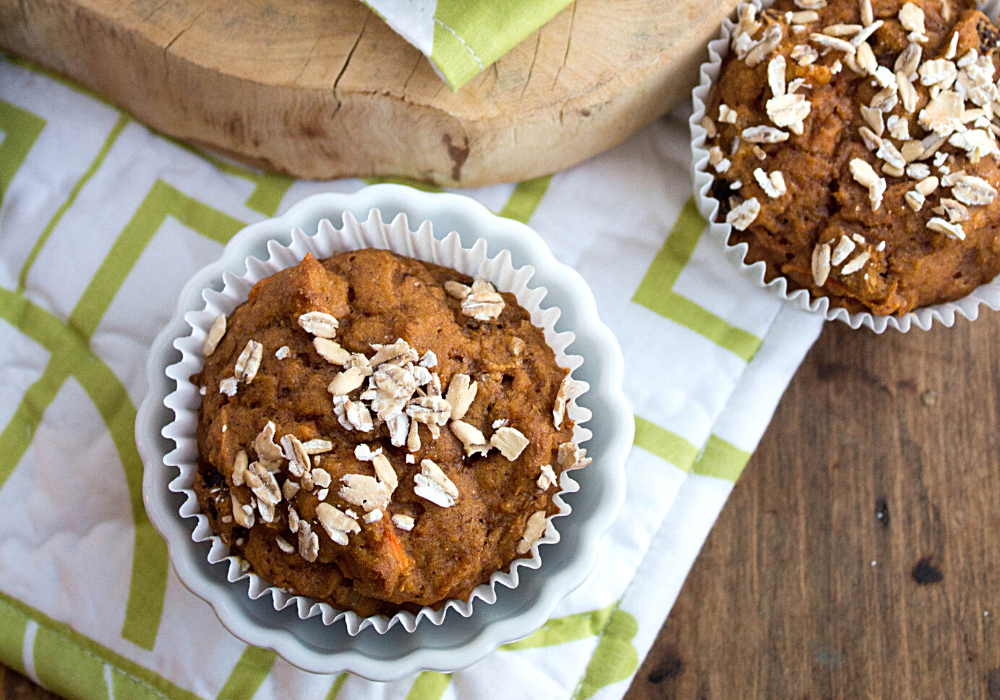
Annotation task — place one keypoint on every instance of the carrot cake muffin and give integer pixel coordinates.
(854, 148)
(380, 433)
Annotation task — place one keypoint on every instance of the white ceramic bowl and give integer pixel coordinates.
(396, 236)
(459, 641)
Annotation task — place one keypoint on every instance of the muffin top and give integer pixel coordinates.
(854, 150)
(380, 433)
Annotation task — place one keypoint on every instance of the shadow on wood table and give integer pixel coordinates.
(858, 555)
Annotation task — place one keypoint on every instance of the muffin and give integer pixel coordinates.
(853, 148)
(380, 433)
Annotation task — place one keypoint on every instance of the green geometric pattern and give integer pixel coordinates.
(525, 198)
(249, 672)
(162, 201)
(721, 460)
(615, 658)
(656, 292)
(127, 687)
(116, 130)
(71, 355)
(270, 187)
(66, 669)
(665, 444)
(718, 458)
(338, 683)
(560, 630)
(79, 647)
(21, 129)
(62, 653)
(469, 35)
(520, 205)
(14, 626)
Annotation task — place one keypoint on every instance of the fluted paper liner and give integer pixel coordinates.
(708, 206)
(327, 241)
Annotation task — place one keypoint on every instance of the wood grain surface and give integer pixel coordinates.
(858, 554)
(325, 89)
(14, 686)
(885, 450)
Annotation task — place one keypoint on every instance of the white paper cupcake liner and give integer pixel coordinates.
(987, 294)
(373, 233)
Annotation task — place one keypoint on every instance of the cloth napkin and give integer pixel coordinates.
(102, 221)
(462, 38)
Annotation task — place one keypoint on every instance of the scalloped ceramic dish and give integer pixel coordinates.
(185, 401)
(458, 641)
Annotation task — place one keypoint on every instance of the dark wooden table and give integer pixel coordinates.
(858, 555)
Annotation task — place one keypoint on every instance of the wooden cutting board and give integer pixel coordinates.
(324, 89)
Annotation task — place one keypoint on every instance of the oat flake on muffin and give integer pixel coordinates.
(854, 148)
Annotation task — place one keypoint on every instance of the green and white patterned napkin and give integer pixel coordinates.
(462, 38)
(101, 223)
